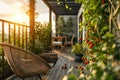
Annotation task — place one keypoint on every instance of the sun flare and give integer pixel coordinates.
(21, 18)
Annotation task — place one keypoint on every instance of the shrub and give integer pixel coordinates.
(77, 48)
(42, 38)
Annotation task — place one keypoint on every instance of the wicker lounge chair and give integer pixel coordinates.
(24, 63)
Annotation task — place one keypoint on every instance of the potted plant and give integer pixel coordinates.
(77, 49)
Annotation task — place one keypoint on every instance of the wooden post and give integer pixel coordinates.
(56, 20)
(50, 23)
(32, 21)
(50, 16)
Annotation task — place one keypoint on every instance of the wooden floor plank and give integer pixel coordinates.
(57, 73)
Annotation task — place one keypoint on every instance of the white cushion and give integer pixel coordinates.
(57, 43)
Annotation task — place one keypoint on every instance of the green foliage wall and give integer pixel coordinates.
(101, 62)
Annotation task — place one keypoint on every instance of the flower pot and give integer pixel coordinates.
(78, 57)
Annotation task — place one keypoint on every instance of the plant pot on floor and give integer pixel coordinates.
(78, 57)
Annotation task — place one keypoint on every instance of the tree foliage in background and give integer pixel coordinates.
(42, 38)
(65, 27)
(60, 25)
(69, 26)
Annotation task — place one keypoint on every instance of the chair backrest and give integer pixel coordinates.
(24, 63)
(71, 39)
(73, 36)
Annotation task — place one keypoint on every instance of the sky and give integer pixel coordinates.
(15, 10)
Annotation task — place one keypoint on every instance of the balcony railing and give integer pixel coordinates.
(13, 33)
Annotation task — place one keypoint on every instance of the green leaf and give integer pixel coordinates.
(107, 35)
(58, 3)
(109, 77)
(70, 9)
(104, 28)
(72, 77)
(66, 6)
(99, 73)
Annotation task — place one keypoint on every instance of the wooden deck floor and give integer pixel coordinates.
(57, 72)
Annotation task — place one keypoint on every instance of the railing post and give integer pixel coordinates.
(26, 37)
(9, 40)
(14, 34)
(22, 36)
(18, 35)
(2, 50)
